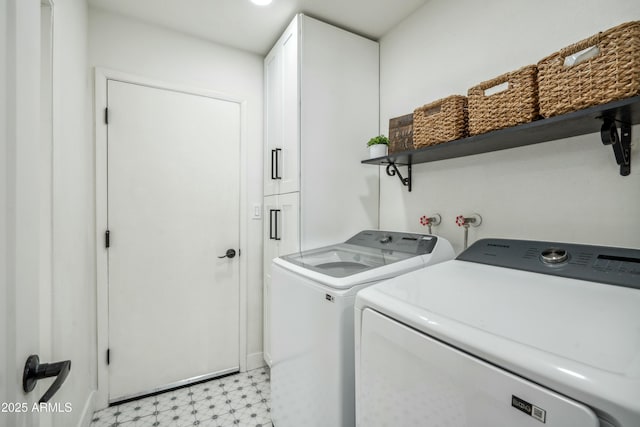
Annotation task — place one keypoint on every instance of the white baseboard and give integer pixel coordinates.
(88, 410)
(255, 361)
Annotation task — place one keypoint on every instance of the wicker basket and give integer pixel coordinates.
(515, 105)
(612, 74)
(440, 121)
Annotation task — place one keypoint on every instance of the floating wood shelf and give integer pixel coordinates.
(604, 119)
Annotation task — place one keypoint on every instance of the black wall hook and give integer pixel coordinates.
(34, 371)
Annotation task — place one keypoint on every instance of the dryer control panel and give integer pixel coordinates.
(418, 244)
(603, 264)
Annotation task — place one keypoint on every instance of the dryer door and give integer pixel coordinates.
(409, 379)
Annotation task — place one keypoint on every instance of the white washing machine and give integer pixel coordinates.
(312, 297)
(510, 334)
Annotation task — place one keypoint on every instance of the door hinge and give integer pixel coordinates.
(107, 239)
(108, 356)
(106, 116)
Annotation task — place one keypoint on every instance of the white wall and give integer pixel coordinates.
(151, 52)
(567, 190)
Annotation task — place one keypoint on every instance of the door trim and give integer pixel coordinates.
(102, 75)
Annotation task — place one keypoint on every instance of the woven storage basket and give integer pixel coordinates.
(513, 106)
(440, 121)
(614, 73)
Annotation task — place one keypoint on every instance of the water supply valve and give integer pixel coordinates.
(428, 221)
(473, 220)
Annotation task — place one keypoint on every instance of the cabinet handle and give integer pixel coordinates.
(273, 224)
(275, 169)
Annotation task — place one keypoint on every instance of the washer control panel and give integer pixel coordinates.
(604, 264)
(418, 244)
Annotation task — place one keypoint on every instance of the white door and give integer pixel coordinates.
(173, 210)
(282, 117)
(290, 155)
(281, 237)
(273, 121)
(25, 204)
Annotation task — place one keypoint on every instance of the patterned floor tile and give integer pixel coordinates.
(225, 420)
(237, 400)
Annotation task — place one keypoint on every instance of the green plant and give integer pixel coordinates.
(380, 139)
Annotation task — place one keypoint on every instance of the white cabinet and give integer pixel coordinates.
(282, 142)
(281, 237)
(321, 107)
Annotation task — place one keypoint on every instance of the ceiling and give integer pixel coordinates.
(242, 25)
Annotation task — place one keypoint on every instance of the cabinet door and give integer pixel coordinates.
(288, 223)
(266, 319)
(281, 237)
(270, 249)
(282, 121)
(290, 173)
(272, 120)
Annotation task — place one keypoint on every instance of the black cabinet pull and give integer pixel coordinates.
(273, 224)
(34, 371)
(275, 168)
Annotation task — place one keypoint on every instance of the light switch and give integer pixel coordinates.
(257, 211)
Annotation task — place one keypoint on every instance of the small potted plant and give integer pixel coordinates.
(378, 146)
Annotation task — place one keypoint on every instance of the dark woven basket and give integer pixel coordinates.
(440, 121)
(515, 105)
(401, 134)
(613, 74)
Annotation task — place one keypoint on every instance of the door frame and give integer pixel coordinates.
(102, 75)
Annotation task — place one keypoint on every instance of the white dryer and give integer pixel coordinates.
(312, 297)
(510, 334)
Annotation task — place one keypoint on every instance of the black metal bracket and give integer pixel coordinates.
(621, 143)
(392, 170)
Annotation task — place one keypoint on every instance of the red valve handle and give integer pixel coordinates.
(460, 220)
(424, 220)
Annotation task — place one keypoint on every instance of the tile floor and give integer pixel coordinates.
(237, 400)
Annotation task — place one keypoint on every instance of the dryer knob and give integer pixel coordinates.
(554, 256)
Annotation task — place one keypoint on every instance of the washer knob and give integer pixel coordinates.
(554, 256)
(386, 239)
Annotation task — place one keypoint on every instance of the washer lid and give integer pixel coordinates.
(577, 337)
(345, 260)
(369, 256)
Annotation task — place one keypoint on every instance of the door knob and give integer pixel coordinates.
(230, 254)
(34, 371)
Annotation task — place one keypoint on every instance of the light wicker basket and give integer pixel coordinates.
(440, 121)
(517, 104)
(612, 74)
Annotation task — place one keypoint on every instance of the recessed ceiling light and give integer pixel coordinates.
(261, 2)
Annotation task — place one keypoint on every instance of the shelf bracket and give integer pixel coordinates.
(392, 170)
(621, 143)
